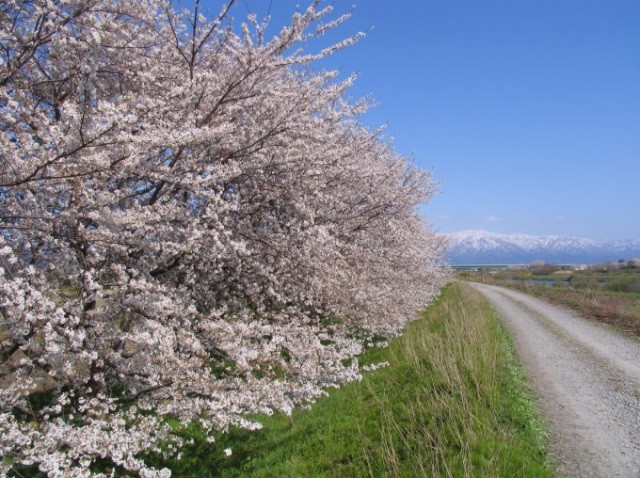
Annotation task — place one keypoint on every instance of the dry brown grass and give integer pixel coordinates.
(621, 311)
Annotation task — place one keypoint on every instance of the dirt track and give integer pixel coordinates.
(588, 380)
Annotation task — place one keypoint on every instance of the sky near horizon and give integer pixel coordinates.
(527, 113)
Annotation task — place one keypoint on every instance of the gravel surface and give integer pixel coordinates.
(588, 380)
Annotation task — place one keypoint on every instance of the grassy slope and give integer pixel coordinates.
(453, 402)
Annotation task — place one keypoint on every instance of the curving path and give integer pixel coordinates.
(588, 380)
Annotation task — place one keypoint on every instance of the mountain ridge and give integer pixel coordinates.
(483, 247)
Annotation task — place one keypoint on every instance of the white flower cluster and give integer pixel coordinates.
(374, 366)
(192, 224)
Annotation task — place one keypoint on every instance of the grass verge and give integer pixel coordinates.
(619, 309)
(605, 292)
(452, 402)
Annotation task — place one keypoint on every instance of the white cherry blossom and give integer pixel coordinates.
(193, 224)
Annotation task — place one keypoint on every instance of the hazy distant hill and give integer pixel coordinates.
(482, 247)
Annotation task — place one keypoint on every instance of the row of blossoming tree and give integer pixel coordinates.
(193, 224)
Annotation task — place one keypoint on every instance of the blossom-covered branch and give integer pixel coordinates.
(192, 222)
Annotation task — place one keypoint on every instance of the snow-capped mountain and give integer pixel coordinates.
(482, 247)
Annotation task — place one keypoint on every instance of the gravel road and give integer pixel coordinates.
(588, 380)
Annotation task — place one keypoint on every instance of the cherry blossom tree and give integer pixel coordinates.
(193, 224)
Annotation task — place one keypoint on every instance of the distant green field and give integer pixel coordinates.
(452, 402)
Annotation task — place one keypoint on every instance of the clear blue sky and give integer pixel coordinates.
(528, 113)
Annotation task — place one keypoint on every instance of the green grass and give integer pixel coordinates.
(453, 402)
